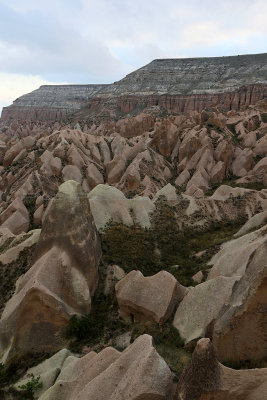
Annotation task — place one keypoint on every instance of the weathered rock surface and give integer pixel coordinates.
(15, 217)
(19, 244)
(109, 204)
(204, 378)
(177, 85)
(48, 371)
(178, 149)
(240, 332)
(254, 222)
(234, 256)
(60, 283)
(201, 306)
(16, 252)
(137, 373)
(50, 102)
(148, 298)
(113, 275)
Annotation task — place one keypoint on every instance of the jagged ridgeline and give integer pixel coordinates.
(133, 236)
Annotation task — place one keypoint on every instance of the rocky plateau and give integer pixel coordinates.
(174, 85)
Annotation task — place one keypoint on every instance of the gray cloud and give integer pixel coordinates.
(100, 41)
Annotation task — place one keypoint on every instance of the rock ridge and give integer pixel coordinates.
(176, 85)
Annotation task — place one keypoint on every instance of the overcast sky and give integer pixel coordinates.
(100, 41)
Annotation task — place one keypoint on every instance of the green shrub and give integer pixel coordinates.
(168, 343)
(166, 334)
(31, 386)
(81, 327)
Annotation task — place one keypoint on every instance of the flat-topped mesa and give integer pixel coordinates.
(187, 76)
(189, 84)
(176, 85)
(50, 102)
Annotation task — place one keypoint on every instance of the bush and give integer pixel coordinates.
(81, 327)
(31, 386)
(166, 334)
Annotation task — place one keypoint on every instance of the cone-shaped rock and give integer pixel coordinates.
(204, 378)
(138, 373)
(60, 282)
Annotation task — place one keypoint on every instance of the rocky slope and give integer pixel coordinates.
(175, 85)
(50, 102)
(152, 226)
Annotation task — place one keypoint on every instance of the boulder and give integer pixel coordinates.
(204, 378)
(240, 332)
(199, 308)
(48, 371)
(148, 298)
(136, 373)
(233, 257)
(108, 204)
(60, 283)
(254, 222)
(6, 236)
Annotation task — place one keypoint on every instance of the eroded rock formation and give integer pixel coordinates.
(205, 378)
(60, 283)
(148, 298)
(111, 375)
(175, 85)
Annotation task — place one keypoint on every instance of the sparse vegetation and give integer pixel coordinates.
(31, 386)
(164, 246)
(168, 343)
(264, 117)
(97, 328)
(2, 375)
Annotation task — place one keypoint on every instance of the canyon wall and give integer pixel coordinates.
(50, 102)
(177, 85)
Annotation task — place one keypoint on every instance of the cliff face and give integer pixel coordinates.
(50, 102)
(176, 103)
(177, 85)
(189, 76)
(192, 84)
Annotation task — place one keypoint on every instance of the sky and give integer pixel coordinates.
(100, 41)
